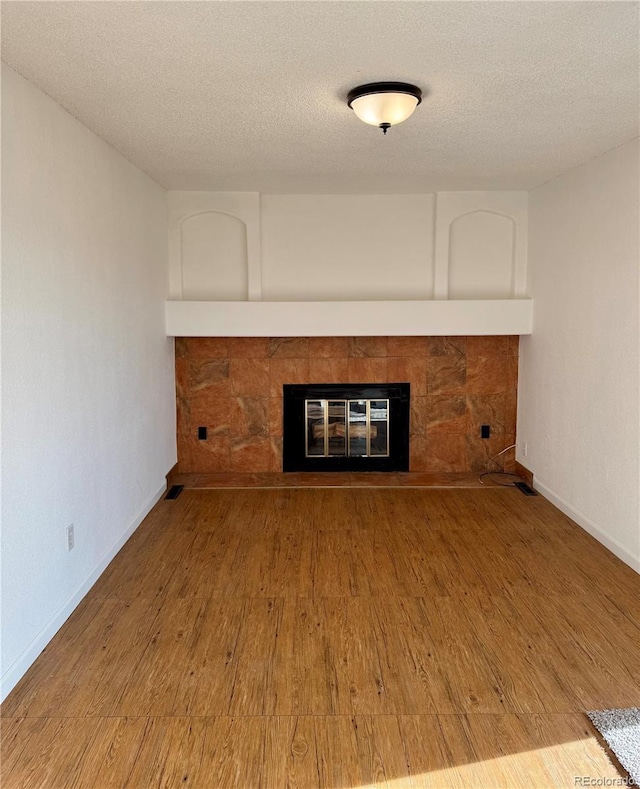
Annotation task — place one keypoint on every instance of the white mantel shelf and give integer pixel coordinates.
(348, 318)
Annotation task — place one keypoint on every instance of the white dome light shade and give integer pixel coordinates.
(391, 108)
(384, 104)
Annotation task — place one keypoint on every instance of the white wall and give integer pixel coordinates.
(347, 247)
(579, 394)
(87, 391)
(302, 248)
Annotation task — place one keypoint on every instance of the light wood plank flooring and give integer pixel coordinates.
(335, 638)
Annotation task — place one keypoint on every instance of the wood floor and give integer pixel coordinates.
(338, 638)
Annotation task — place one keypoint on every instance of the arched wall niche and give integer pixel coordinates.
(481, 255)
(213, 256)
(214, 246)
(481, 245)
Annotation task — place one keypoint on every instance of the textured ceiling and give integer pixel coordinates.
(250, 95)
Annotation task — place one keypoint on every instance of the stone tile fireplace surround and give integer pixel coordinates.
(233, 387)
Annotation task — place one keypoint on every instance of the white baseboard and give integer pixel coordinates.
(588, 525)
(19, 668)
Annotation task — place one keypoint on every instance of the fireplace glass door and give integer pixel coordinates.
(347, 428)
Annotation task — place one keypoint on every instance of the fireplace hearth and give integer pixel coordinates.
(346, 427)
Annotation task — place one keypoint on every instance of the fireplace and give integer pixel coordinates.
(346, 427)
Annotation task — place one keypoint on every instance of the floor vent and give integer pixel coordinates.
(174, 491)
(526, 489)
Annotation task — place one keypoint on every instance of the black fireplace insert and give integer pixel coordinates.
(346, 427)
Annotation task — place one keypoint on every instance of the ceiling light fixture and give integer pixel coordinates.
(384, 104)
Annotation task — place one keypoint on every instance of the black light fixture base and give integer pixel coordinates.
(385, 127)
(384, 87)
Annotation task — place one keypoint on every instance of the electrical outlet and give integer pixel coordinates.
(525, 449)
(71, 538)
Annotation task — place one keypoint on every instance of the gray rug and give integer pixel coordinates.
(621, 730)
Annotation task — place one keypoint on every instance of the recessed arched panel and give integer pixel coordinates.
(214, 257)
(481, 256)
